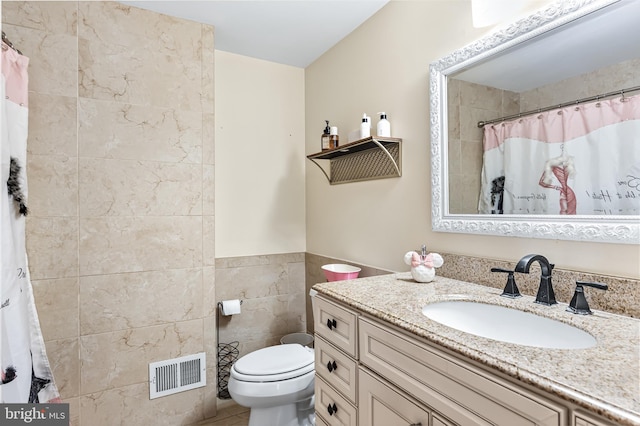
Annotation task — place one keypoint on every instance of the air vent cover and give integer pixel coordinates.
(177, 375)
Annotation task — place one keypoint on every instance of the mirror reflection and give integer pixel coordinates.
(550, 126)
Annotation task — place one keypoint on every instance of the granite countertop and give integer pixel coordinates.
(604, 379)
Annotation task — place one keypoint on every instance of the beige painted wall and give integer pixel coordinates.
(259, 157)
(383, 65)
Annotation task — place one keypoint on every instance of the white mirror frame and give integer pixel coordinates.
(609, 229)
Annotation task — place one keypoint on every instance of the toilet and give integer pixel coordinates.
(277, 384)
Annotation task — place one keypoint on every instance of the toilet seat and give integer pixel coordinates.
(274, 363)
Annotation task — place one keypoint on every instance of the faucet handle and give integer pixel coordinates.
(511, 289)
(578, 304)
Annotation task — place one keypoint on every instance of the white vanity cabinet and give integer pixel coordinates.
(372, 373)
(336, 363)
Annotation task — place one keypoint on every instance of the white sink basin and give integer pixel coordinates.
(508, 325)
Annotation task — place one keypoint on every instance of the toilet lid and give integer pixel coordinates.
(275, 360)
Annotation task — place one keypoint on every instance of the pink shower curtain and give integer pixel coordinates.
(25, 372)
(583, 159)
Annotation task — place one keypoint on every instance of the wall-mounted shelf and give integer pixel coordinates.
(365, 159)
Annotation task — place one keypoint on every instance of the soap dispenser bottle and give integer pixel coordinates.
(384, 127)
(326, 137)
(365, 127)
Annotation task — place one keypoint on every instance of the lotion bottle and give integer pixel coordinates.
(333, 137)
(325, 138)
(384, 127)
(365, 127)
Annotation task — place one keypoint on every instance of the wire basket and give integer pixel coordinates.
(227, 355)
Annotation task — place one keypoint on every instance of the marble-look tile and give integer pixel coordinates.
(130, 405)
(55, 17)
(251, 282)
(296, 276)
(265, 317)
(122, 301)
(210, 406)
(53, 185)
(134, 132)
(209, 291)
(139, 188)
(208, 190)
(52, 247)
(135, 75)
(454, 156)
(208, 138)
(74, 410)
(297, 313)
(53, 128)
(208, 73)
(57, 306)
(236, 262)
(139, 29)
(471, 158)
(129, 244)
(469, 130)
(482, 97)
(121, 358)
(208, 240)
(65, 365)
(510, 103)
(210, 346)
(49, 55)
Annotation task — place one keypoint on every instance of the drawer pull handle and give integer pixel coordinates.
(331, 323)
(332, 366)
(332, 409)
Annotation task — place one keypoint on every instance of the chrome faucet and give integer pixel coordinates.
(545, 294)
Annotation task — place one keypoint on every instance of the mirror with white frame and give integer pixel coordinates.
(556, 56)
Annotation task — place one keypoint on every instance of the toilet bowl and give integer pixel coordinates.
(277, 384)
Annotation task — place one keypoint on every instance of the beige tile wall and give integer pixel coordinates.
(121, 194)
(271, 288)
(468, 104)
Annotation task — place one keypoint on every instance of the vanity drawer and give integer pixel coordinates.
(337, 369)
(333, 407)
(458, 390)
(337, 324)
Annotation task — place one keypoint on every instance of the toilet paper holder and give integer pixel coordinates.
(227, 355)
(233, 307)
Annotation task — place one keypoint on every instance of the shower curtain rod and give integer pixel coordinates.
(6, 41)
(576, 102)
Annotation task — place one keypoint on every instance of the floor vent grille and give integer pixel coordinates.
(177, 375)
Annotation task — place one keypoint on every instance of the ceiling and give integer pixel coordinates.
(602, 38)
(293, 32)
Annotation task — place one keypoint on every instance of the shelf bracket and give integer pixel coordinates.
(321, 168)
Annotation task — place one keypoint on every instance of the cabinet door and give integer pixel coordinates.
(450, 386)
(381, 405)
(337, 324)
